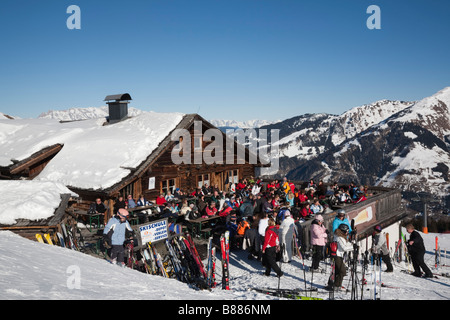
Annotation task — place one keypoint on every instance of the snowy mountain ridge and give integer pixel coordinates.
(409, 150)
(74, 114)
(306, 137)
(241, 124)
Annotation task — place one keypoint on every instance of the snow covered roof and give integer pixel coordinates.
(94, 156)
(30, 200)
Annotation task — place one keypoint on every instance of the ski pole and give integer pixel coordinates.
(380, 280)
(303, 261)
(279, 277)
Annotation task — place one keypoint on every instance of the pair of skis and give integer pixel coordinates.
(211, 264)
(225, 249)
(46, 236)
(186, 263)
(354, 263)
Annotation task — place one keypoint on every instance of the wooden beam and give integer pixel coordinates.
(35, 158)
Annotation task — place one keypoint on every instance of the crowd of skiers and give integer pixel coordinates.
(266, 220)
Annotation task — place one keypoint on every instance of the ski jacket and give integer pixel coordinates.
(142, 202)
(305, 212)
(286, 187)
(210, 211)
(316, 208)
(287, 229)
(318, 235)
(242, 227)
(118, 229)
(417, 247)
(343, 245)
(379, 244)
(262, 226)
(337, 222)
(225, 212)
(281, 214)
(160, 201)
(271, 238)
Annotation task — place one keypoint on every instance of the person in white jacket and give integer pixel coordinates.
(343, 246)
(379, 247)
(286, 233)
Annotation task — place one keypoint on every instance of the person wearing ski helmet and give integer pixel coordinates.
(339, 219)
(319, 236)
(380, 249)
(114, 235)
(343, 246)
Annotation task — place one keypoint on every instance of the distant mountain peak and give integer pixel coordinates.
(234, 124)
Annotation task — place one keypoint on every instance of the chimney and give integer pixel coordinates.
(118, 107)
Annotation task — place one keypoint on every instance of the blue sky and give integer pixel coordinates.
(225, 59)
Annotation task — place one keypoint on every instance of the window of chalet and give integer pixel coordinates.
(167, 185)
(233, 176)
(202, 180)
(197, 143)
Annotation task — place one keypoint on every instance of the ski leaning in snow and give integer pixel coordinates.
(225, 248)
(176, 263)
(211, 264)
(353, 262)
(437, 254)
(48, 238)
(39, 238)
(61, 239)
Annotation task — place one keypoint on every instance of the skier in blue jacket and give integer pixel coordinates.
(114, 234)
(341, 218)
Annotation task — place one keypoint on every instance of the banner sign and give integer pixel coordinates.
(154, 231)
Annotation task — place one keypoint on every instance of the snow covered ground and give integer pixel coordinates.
(35, 271)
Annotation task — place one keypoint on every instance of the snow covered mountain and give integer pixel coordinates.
(235, 124)
(308, 136)
(74, 114)
(409, 150)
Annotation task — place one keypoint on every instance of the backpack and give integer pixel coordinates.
(333, 248)
(92, 208)
(281, 214)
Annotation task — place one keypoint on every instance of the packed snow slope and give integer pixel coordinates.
(31, 270)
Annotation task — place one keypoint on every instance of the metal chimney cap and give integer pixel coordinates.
(118, 97)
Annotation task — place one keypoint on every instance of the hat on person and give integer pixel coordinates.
(123, 213)
(319, 218)
(377, 228)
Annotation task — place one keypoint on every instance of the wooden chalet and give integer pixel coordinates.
(157, 173)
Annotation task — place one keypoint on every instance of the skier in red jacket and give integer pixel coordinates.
(270, 248)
